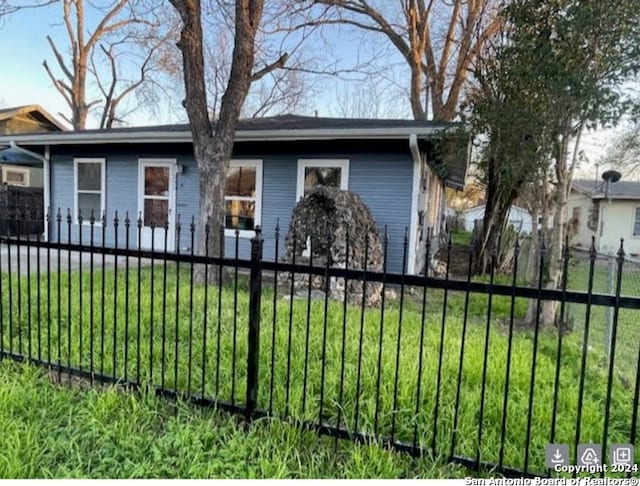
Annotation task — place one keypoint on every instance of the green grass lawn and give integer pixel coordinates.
(51, 431)
(215, 365)
(461, 237)
(628, 332)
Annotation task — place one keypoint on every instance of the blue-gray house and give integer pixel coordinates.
(398, 167)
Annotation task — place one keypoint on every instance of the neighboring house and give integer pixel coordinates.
(607, 215)
(391, 164)
(18, 168)
(518, 217)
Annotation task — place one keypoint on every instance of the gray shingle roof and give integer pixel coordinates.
(617, 190)
(289, 122)
(280, 128)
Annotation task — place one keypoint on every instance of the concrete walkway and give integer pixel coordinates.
(20, 256)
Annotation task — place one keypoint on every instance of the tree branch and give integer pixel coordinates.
(64, 89)
(277, 64)
(59, 59)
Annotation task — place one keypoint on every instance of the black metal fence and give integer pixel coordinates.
(458, 367)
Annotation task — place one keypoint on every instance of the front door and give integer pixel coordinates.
(156, 201)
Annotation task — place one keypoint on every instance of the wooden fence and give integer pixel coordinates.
(22, 209)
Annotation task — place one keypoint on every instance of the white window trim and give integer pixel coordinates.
(86, 219)
(304, 163)
(171, 198)
(25, 172)
(633, 222)
(257, 163)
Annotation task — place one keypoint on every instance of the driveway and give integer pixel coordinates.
(22, 257)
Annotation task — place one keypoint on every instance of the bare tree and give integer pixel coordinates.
(438, 39)
(288, 87)
(116, 86)
(372, 98)
(113, 35)
(213, 142)
(8, 7)
(624, 151)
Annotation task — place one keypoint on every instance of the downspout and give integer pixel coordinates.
(30, 153)
(415, 189)
(47, 191)
(47, 186)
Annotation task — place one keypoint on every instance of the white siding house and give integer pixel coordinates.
(606, 215)
(518, 217)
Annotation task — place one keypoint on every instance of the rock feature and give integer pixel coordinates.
(340, 231)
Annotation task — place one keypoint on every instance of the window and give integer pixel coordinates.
(89, 189)
(575, 214)
(243, 196)
(317, 173)
(574, 222)
(15, 176)
(636, 222)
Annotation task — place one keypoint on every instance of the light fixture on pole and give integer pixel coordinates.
(609, 176)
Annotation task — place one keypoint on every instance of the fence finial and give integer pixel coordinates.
(621, 254)
(592, 250)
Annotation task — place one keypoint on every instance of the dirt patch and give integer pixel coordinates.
(458, 260)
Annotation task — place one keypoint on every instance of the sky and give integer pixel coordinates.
(23, 48)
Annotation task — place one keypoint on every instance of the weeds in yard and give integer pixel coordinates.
(173, 337)
(50, 431)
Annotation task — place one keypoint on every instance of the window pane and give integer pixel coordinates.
(88, 202)
(321, 176)
(15, 177)
(156, 181)
(241, 181)
(636, 223)
(240, 215)
(156, 211)
(89, 176)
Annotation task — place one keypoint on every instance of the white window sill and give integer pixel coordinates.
(231, 233)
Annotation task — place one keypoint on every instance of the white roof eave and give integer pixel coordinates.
(85, 138)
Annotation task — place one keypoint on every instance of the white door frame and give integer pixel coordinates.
(171, 165)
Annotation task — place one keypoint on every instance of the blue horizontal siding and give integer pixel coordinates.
(382, 179)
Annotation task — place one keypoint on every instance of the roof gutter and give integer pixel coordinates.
(25, 151)
(183, 136)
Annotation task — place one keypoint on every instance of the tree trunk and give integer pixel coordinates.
(213, 147)
(492, 227)
(495, 214)
(555, 236)
(211, 220)
(416, 94)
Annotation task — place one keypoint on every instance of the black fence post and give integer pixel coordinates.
(255, 293)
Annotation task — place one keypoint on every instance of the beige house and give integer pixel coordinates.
(16, 167)
(607, 215)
